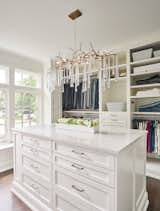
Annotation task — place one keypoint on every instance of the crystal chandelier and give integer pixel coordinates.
(82, 66)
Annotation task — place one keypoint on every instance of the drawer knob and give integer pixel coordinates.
(77, 166)
(77, 189)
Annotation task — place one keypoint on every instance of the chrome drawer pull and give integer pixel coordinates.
(78, 153)
(77, 189)
(31, 149)
(77, 167)
(35, 167)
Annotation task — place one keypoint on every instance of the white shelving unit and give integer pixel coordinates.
(152, 60)
(145, 86)
(149, 96)
(137, 100)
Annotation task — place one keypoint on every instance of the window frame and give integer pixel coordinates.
(6, 90)
(11, 88)
(30, 90)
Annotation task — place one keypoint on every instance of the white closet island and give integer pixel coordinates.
(58, 170)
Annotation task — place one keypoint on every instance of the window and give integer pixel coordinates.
(20, 99)
(4, 90)
(27, 79)
(26, 109)
(3, 113)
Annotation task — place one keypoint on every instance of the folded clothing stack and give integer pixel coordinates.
(150, 80)
(150, 92)
(152, 107)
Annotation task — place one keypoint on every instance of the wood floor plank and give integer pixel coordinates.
(8, 201)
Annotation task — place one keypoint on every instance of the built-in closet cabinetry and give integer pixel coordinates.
(145, 90)
(128, 87)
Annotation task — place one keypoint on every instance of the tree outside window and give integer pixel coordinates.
(26, 106)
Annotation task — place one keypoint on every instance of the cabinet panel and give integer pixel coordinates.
(36, 153)
(17, 157)
(105, 177)
(63, 205)
(99, 198)
(37, 143)
(36, 167)
(97, 159)
(38, 190)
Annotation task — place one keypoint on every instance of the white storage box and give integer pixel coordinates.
(116, 106)
(156, 53)
(141, 55)
(147, 68)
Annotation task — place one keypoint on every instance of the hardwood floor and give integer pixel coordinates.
(153, 188)
(9, 202)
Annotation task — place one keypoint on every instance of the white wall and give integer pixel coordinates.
(13, 60)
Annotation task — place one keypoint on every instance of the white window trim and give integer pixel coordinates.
(11, 89)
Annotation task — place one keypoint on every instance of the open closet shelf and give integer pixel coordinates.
(140, 97)
(144, 73)
(145, 62)
(81, 111)
(146, 113)
(145, 86)
(153, 155)
(118, 79)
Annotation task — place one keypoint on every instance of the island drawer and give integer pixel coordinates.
(89, 171)
(42, 170)
(36, 153)
(94, 158)
(102, 198)
(37, 143)
(37, 189)
(72, 203)
(63, 205)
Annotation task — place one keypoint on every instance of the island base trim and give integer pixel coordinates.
(28, 199)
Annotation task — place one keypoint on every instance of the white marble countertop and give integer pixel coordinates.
(106, 143)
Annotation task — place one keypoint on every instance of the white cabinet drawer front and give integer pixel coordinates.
(40, 192)
(37, 143)
(115, 116)
(105, 177)
(36, 167)
(116, 122)
(105, 161)
(99, 198)
(63, 205)
(36, 153)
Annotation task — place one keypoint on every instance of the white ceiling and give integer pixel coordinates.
(41, 28)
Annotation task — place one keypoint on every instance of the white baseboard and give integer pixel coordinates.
(5, 166)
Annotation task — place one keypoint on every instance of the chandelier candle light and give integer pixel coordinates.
(82, 66)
